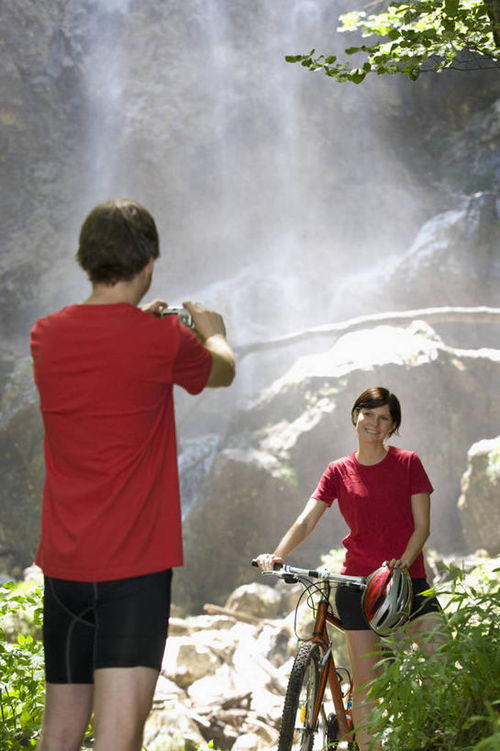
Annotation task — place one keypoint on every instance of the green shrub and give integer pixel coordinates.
(21, 667)
(449, 701)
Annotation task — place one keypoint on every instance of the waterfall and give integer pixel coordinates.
(106, 73)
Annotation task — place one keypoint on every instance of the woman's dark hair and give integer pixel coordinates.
(378, 396)
(117, 239)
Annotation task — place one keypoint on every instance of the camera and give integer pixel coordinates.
(184, 315)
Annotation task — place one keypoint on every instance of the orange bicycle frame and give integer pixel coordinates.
(329, 673)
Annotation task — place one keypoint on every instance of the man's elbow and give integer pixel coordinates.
(221, 375)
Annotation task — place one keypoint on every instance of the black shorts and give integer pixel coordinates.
(109, 624)
(348, 603)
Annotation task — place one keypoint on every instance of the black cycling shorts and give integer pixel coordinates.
(348, 603)
(109, 624)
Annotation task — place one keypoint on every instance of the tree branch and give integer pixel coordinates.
(429, 315)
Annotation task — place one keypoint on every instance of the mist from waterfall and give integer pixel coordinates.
(282, 198)
(105, 83)
(270, 185)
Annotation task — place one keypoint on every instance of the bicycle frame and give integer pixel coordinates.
(329, 673)
(324, 615)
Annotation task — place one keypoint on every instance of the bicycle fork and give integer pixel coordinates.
(329, 673)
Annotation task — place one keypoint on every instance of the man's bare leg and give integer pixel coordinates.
(66, 716)
(122, 702)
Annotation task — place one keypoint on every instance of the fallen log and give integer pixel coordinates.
(244, 617)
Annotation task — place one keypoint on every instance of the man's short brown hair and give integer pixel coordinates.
(117, 239)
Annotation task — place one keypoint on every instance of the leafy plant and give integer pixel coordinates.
(414, 36)
(449, 701)
(21, 668)
(22, 675)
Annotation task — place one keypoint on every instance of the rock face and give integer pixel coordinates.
(276, 450)
(21, 449)
(454, 256)
(479, 503)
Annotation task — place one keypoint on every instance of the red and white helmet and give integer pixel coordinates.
(387, 599)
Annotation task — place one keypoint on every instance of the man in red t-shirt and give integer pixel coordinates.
(111, 523)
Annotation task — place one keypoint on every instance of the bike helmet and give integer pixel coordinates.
(387, 599)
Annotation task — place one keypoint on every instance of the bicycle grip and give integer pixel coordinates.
(277, 566)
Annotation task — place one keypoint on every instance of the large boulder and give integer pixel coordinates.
(21, 452)
(276, 450)
(478, 505)
(454, 258)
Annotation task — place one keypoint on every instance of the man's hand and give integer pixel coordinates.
(206, 322)
(156, 307)
(210, 327)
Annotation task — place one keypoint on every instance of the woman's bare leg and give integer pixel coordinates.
(363, 651)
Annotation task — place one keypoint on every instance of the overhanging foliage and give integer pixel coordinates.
(412, 37)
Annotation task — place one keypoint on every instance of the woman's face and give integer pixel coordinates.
(374, 424)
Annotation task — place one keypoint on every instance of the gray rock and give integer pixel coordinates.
(479, 503)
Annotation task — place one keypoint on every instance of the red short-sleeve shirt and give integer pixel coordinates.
(375, 502)
(105, 376)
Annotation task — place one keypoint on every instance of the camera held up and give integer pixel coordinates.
(184, 316)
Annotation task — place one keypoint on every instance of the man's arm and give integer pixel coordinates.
(209, 325)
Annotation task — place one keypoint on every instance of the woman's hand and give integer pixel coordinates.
(266, 561)
(397, 563)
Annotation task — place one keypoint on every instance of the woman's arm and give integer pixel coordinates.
(297, 533)
(421, 510)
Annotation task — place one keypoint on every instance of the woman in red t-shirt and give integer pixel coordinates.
(384, 496)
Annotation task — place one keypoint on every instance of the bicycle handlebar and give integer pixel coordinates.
(282, 570)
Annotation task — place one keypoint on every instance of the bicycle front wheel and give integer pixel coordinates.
(297, 732)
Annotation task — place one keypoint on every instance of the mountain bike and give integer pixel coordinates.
(314, 718)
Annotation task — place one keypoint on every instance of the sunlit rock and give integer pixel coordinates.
(186, 661)
(454, 257)
(257, 599)
(479, 503)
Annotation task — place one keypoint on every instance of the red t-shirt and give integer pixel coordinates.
(375, 502)
(105, 376)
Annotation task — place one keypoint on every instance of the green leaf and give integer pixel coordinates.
(357, 75)
(451, 7)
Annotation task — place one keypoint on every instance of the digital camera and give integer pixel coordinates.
(184, 315)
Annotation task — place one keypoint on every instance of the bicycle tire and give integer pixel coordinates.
(332, 732)
(296, 733)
